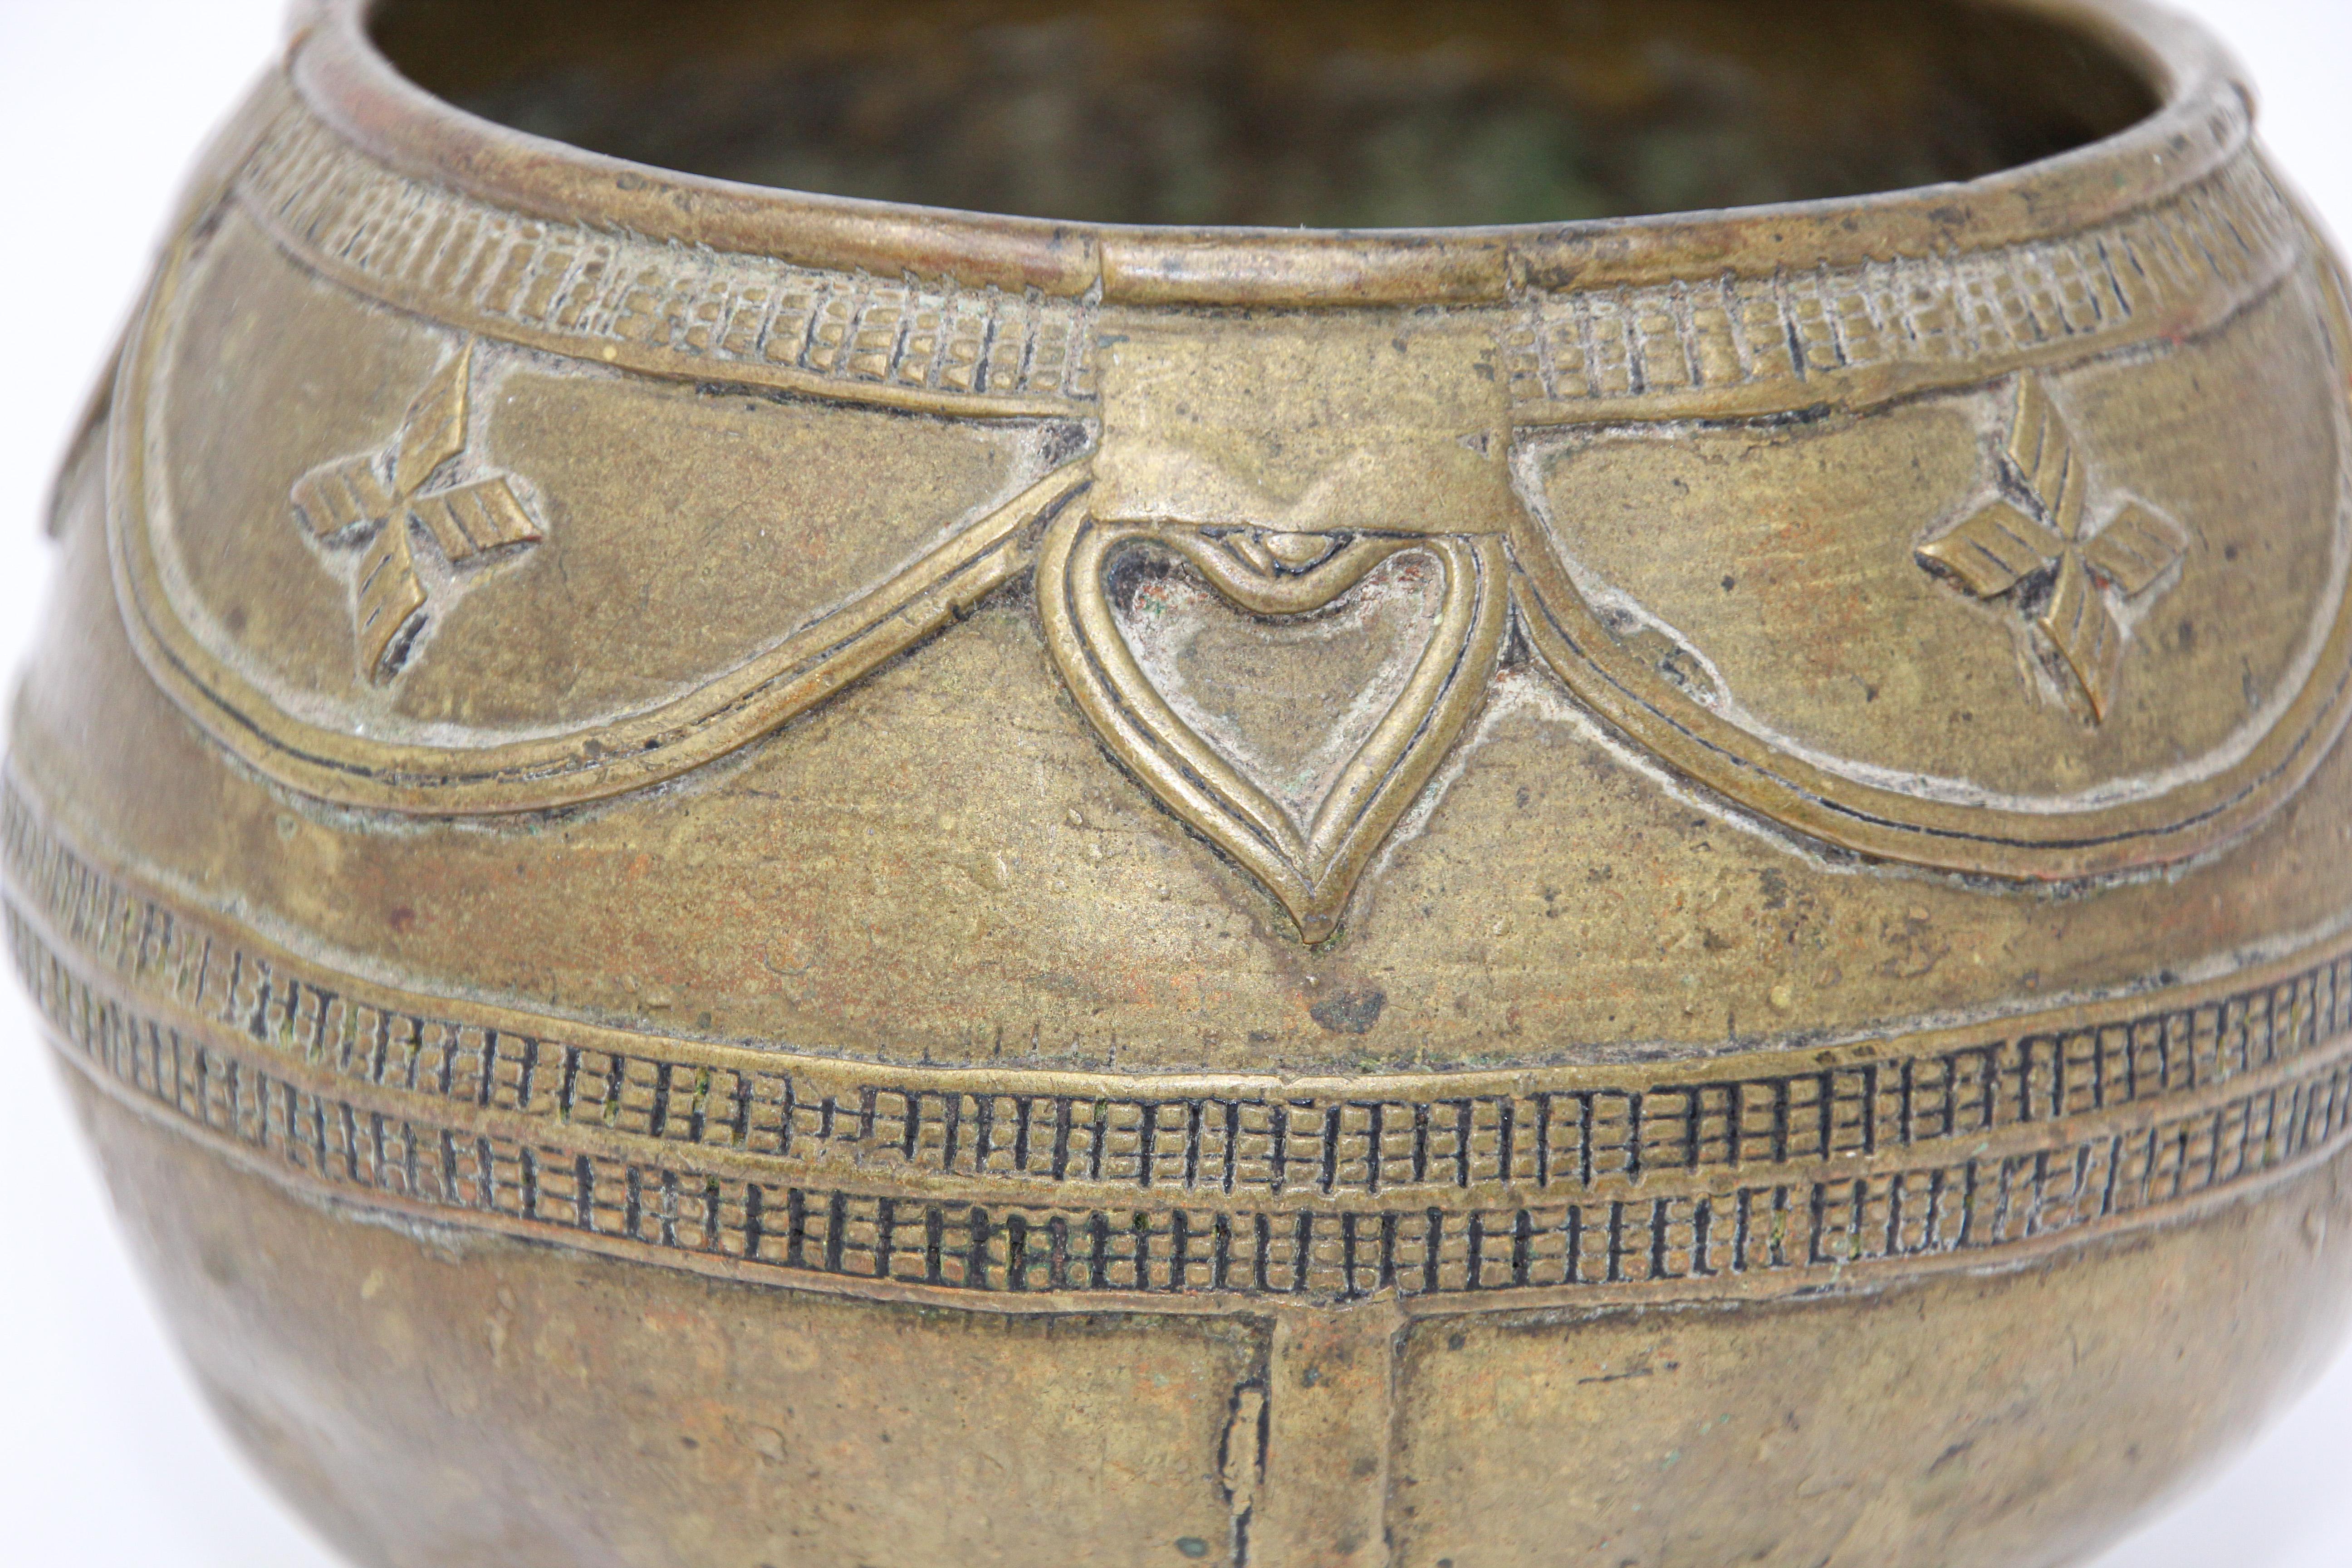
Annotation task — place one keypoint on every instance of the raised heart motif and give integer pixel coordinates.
(1308, 852)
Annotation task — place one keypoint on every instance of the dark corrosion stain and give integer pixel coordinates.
(1354, 1013)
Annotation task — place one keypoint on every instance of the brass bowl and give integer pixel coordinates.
(1331, 858)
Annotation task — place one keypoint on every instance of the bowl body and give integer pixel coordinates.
(741, 878)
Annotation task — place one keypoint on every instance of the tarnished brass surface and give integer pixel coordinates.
(735, 878)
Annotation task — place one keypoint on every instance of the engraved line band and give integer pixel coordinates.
(1439, 1139)
(1712, 345)
(1822, 1229)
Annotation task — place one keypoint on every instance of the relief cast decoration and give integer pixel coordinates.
(2036, 551)
(1308, 474)
(373, 505)
(1283, 525)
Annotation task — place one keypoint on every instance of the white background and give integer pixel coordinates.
(105, 1459)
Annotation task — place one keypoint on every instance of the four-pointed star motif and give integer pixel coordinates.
(377, 498)
(2013, 549)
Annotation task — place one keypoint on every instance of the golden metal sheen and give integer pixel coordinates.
(1563, 787)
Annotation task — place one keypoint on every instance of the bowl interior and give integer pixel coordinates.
(1315, 113)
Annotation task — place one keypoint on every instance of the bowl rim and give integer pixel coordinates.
(2205, 119)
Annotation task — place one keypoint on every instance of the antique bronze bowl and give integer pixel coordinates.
(1560, 787)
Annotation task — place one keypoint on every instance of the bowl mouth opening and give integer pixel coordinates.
(1347, 115)
(584, 125)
